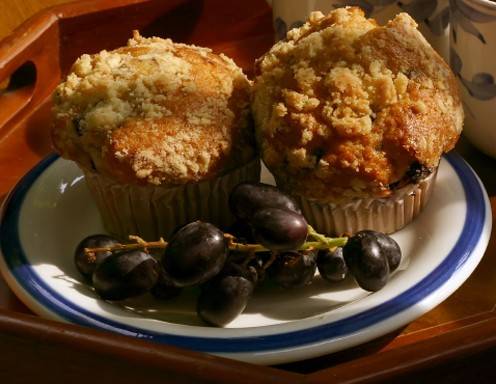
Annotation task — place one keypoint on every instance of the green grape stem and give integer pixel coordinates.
(318, 241)
(322, 241)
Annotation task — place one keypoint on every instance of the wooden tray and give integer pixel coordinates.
(454, 342)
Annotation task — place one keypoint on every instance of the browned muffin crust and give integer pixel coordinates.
(154, 112)
(344, 107)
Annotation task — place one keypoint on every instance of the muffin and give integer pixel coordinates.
(162, 132)
(352, 119)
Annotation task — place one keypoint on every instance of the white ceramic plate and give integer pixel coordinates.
(50, 211)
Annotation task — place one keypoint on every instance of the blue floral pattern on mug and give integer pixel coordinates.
(281, 28)
(464, 16)
(481, 86)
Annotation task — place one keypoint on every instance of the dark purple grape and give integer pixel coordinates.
(331, 265)
(85, 264)
(223, 299)
(366, 261)
(249, 272)
(391, 249)
(236, 257)
(239, 258)
(241, 230)
(279, 230)
(125, 274)
(195, 254)
(293, 269)
(248, 198)
(165, 289)
(235, 265)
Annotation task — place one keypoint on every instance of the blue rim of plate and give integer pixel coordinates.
(28, 279)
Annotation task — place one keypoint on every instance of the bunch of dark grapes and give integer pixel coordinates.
(270, 239)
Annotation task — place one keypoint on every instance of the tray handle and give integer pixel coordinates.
(29, 66)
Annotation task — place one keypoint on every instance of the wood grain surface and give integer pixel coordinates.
(454, 342)
(14, 12)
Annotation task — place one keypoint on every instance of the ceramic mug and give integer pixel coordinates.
(432, 16)
(473, 60)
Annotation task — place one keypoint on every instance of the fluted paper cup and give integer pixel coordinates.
(386, 215)
(155, 211)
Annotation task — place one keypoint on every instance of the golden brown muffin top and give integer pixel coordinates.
(154, 112)
(345, 108)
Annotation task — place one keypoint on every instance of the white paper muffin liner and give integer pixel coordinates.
(155, 211)
(386, 215)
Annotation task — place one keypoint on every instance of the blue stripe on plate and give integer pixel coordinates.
(48, 298)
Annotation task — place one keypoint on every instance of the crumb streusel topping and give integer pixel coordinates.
(343, 107)
(154, 112)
